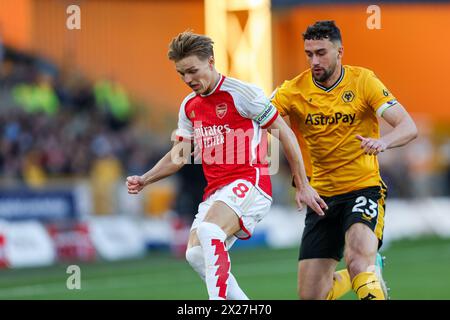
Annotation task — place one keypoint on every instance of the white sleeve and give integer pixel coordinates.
(252, 103)
(185, 129)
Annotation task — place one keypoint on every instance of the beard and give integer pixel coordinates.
(326, 74)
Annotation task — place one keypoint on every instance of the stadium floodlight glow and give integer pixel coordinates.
(242, 35)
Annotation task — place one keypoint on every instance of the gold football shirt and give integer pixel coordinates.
(328, 119)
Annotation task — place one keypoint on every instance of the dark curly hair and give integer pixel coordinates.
(325, 29)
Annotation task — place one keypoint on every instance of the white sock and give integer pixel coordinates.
(196, 259)
(217, 261)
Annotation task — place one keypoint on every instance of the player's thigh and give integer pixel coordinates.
(219, 214)
(366, 207)
(238, 207)
(364, 223)
(203, 210)
(321, 248)
(223, 216)
(315, 277)
(323, 237)
(360, 242)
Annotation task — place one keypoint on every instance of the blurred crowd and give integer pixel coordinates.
(59, 124)
(422, 168)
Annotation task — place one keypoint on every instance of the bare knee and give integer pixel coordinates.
(358, 261)
(360, 249)
(315, 278)
(355, 266)
(313, 293)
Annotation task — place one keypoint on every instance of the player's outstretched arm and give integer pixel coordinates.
(173, 161)
(305, 193)
(404, 131)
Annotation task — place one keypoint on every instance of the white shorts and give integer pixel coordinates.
(249, 204)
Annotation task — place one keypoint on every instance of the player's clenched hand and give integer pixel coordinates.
(307, 195)
(135, 184)
(372, 146)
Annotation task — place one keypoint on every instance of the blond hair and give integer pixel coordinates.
(187, 44)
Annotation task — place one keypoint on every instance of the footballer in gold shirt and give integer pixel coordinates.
(334, 109)
(329, 118)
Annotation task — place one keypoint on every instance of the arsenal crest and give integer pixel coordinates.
(221, 110)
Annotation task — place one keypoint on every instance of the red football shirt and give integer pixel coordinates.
(227, 124)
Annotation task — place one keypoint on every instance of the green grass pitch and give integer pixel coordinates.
(416, 269)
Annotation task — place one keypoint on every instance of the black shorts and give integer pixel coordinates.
(324, 237)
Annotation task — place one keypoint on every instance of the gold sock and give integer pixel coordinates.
(367, 286)
(341, 285)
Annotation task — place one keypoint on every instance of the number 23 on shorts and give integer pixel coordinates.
(366, 207)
